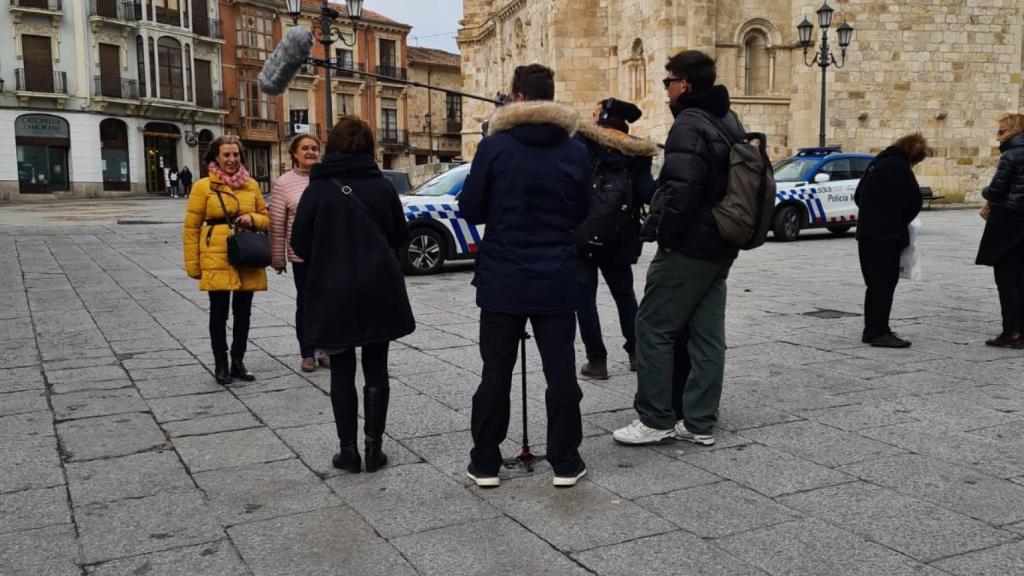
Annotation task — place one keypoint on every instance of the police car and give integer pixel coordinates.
(814, 189)
(437, 231)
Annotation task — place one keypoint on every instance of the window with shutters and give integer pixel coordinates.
(389, 119)
(140, 61)
(346, 105)
(298, 111)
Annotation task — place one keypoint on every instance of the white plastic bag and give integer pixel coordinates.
(910, 258)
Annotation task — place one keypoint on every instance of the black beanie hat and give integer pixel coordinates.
(616, 113)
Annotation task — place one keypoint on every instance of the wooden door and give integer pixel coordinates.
(110, 71)
(38, 63)
(204, 84)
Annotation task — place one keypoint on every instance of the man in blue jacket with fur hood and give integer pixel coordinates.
(529, 185)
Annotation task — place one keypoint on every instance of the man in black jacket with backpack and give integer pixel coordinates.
(609, 239)
(686, 281)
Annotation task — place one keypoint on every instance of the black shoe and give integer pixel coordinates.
(890, 340)
(220, 370)
(482, 480)
(569, 479)
(238, 370)
(1005, 340)
(348, 459)
(375, 414)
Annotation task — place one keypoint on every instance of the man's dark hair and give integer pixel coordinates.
(534, 82)
(695, 67)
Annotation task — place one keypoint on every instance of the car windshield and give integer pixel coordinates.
(449, 182)
(793, 169)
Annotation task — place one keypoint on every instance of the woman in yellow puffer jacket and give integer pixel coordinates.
(205, 241)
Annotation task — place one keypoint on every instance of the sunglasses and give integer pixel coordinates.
(668, 81)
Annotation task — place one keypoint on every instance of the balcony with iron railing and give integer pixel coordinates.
(392, 137)
(167, 16)
(313, 129)
(115, 87)
(251, 128)
(212, 99)
(392, 71)
(50, 7)
(51, 82)
(119, 11)
(207, 27)
(452, 125)
(346, 74)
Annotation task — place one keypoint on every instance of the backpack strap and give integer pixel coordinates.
(716, 124)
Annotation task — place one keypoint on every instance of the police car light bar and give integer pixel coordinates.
(819, 151)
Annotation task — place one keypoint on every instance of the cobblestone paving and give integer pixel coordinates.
(119, 455)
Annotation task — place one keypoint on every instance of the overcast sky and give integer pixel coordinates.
(434, 22)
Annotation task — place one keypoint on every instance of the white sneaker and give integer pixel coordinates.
(703, 439)
(568, 481)
(639, 433)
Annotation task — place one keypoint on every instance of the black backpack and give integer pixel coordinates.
(612, 205)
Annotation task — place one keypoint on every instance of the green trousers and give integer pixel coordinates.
(681, 291)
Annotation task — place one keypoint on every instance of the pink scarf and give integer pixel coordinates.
(235, 181)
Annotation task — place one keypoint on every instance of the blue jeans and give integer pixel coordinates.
(299, 271)
(619, 277)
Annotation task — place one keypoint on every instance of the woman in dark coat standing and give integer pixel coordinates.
(889, 199)
(347, 227)
(1002, 245)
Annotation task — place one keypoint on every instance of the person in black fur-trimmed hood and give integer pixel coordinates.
(529, 184)
(609, 239)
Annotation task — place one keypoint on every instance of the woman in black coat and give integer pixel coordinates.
(889, 199)
(347, 227)
(1002, 245)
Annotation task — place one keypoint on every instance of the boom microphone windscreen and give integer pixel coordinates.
(284, 62)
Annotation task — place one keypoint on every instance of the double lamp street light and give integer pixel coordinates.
(328, 35)
(824, 56)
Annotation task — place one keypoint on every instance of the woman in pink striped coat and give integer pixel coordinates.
(284, 198)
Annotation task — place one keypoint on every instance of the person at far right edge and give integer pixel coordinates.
(889, 199)
(1002, 244)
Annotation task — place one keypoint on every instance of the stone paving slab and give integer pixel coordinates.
(766, 470)
(51, 551)
(717, 510)
(93, 403)
(814, 547)
(1005, 560)
(495, 546)
(30, 509)
(923, 531)
(673, 553)
(229, 449)
(109, 436)
(133, 476)
(262, 491)
(329, 541)
(212, 559)
(137, 526)
(406, 499)
(585, 517)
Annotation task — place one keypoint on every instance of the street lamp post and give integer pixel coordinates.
(328, 35)
(427, 118)
(825, 57)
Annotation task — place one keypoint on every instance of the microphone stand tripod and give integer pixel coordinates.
(328, 64)
(526, 458)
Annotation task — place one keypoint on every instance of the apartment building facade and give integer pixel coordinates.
(99, 97)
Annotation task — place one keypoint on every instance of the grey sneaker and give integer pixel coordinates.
(703, 439)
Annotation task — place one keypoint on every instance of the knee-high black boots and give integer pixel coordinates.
(375, 412)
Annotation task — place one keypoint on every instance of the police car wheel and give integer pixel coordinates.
(424, 252)
(787, 224)
(839, 230)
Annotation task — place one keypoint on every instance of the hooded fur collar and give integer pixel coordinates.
(537, 112)
(616, 140)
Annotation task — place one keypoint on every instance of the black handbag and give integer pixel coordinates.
(246, 248)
